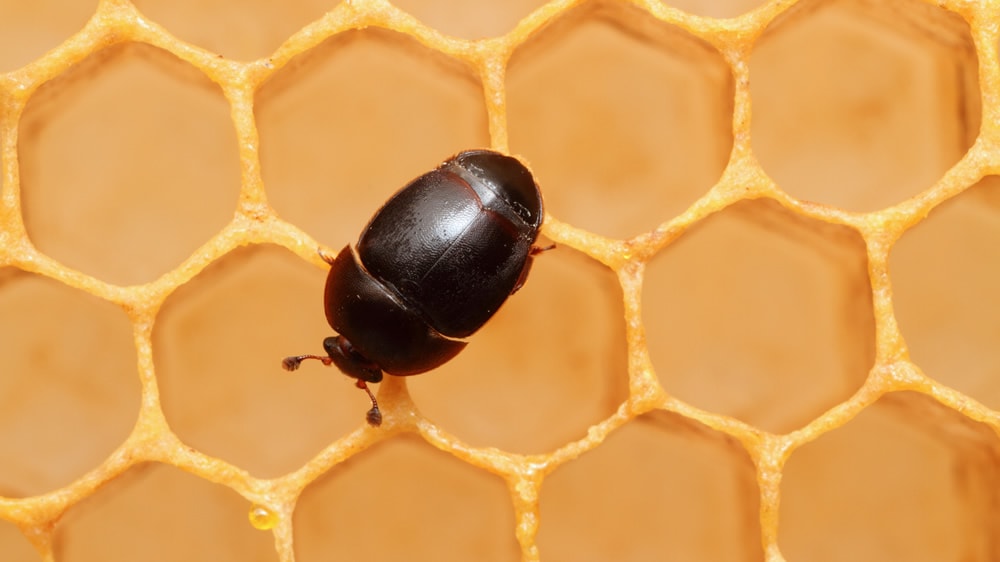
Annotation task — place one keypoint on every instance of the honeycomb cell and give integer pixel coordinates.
(905, 480)
(625, 121)
(660, 488)
(324, 168)
(405, 500)
(945, 277)
(157, 513)
(761, 315)
(470, 20)
(862, 104)
(69, 393)
(537, 375)
(218, 345)
(29, 29)
(15, 546)
(253, 28)
(125, 173)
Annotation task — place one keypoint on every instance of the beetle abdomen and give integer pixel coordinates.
(446, 254)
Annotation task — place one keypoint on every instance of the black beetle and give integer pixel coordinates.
(432, 266)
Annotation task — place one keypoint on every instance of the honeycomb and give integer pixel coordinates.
(768, 332)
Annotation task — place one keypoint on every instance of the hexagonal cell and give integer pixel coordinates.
(127, 165)
(69, 387)
(218, 346)
(405, 500)
(158, 513)
(536, 376)
(471, 20)
(243, 30)
(762, 315)
(625, 121)
(29, 29)
(15, 546)
(863, 104)
(945, 279)
(660, 488)
(907, 479)
(352, 121)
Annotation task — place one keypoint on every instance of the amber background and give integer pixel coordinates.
(769, 332)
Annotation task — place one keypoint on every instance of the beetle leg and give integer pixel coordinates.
(539, 249)
(325, 256)
(527, 265)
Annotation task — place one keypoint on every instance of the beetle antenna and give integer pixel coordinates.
(374, 416)
(293, 362)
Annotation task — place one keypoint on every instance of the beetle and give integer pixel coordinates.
(430, 268)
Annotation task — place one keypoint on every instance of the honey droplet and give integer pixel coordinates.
(262, 518)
